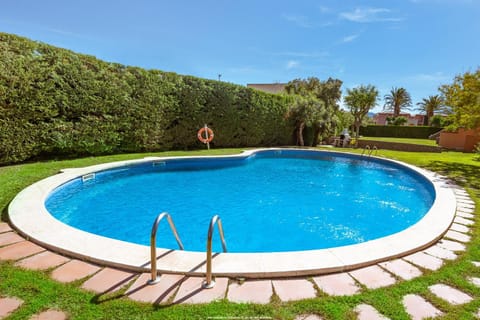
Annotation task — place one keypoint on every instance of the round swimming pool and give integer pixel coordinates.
(285, 212)
(270, 201)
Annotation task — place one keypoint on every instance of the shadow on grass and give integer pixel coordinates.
(4, 214)
(464, 175)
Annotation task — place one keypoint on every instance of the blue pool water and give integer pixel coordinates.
(271, 201)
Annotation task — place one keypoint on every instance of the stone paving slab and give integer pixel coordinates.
(291, 290)
(475, 281)
(459, 227)
(476, 263)
(4, 227)
(108, 280)
(9, 305)
(74, 270)
(465, 210)
(465, 206)
(19, 250)
(441, 253)
(157, 293)
(449, 294)
(451, 245)
(418, 308)
(339, 284)
(257, 291)
(50, 315)
(308, 317)
(455, 235)
(401, 269)
(9, 238)
(465, 222)
(373, 277)
(465, 200)
(367, 312)
(42, 261)
(425, 261)
(466, 215)
(191, 291)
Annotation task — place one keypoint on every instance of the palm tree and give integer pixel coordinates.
(397, 100)
(430, 105)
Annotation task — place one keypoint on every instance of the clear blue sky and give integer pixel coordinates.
(416, 44)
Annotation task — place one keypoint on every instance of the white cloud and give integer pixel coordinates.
(292, 64)
(324, 9)
(301, 21)
(349, 38)
(367, 15)
(454, 2)
(428, 77)
(297, 54)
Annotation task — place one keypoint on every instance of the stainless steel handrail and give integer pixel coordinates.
(209, 283)
(370, 150)
(367, 147)
(153, 244)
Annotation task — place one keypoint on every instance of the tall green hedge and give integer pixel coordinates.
(54, 102)
(418, 132)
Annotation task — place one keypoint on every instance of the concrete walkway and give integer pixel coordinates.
(178, 289)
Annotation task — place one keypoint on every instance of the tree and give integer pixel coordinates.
(328, 92)
(397, 100)
(345, 119)
(304, 111)
(463, 96)
(430, 105)
(360, 100)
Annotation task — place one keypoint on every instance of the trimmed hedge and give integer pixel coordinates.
(415, 132)
(54, 102)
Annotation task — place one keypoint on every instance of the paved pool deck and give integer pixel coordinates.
(180, 289)
(29, 216)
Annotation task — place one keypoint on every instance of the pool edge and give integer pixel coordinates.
(115, 253)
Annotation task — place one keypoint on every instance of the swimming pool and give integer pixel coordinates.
(270, 201)
(29, 215)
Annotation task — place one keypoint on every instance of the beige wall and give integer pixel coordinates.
(462, 140)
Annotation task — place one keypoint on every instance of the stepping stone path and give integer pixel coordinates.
(418, 308)
(258, 291)
(8, 306)
(367, 312)
(340, 284)
(373, 277)
(401, 269)
(74, 270)
(290, 290)
(50, 315)
(308, 317)
(425, 261)
(449, 294)
(179, 289)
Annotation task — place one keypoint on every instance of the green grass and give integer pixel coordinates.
(40, 292)
(425, 142)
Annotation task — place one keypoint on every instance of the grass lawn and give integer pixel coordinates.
(425, 142)
(40, 292)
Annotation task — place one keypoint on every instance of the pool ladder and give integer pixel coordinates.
(153, 244)
(368, 151)
(209, 282)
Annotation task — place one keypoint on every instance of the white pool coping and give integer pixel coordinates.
(27, 214)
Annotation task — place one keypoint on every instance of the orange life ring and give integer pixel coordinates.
(209, 135)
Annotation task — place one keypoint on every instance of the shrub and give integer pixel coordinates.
(416, 132)
(54, 102)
